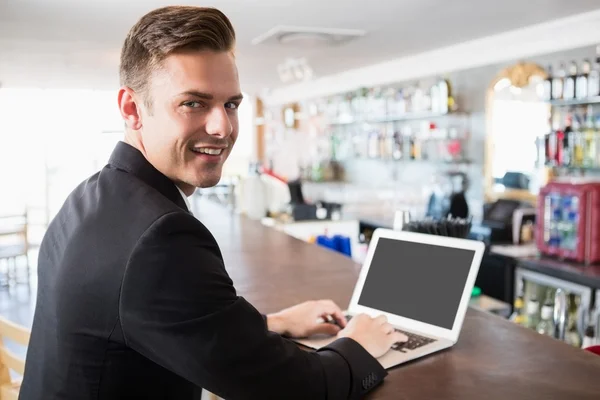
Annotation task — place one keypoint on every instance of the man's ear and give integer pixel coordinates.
(130, 108)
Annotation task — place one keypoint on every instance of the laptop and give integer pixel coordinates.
(421, 283)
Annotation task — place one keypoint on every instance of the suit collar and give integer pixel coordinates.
(130, 159)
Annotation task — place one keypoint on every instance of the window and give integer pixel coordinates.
(51, 140)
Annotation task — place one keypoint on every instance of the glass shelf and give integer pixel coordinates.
(574, 168)
(575, 102)
(407, 117)
(457, 162)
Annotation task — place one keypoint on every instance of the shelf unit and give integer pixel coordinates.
(358, 130)
(558, 106)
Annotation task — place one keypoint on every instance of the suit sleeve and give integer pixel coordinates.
(178, 308)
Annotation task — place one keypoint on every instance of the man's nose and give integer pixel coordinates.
(218, 123)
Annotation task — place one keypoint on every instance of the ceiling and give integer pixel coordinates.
(60, 43)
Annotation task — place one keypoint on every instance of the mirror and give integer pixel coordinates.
(517, 119)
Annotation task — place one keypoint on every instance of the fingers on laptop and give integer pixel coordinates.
(387, 328)
(382, 319)
(328, 307)
(399, 337)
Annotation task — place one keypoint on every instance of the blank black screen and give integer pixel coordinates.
(420, 281)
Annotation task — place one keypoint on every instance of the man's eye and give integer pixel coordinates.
(192, 104)
(231, 106)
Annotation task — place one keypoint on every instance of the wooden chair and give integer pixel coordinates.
(9, 389)
(14, 228)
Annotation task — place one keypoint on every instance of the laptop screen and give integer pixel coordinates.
(423, 282)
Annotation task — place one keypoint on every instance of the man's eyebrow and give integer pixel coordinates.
(237, 97)
(208, 96)
(195, 93)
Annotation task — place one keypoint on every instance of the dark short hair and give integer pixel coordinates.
(168, 30)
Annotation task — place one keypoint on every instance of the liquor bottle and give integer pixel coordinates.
(380, 111)
(589, 140)
(444, 95)
(550, 144)
(559, 156)
(590, 337)
(533, 310)
(569, 89)
(576, 143)
(417, 100)
(590, 319)
(357, 104)
(567, 138)
(558, 83)
(418, 148)
(518, 315)
(426, 142)
(437, 104)
(400, 108)
(547, 85)
(387, 144)
(427, 100)
(594, 76)
(390, 103)
(447, 101)
(572, 336)
(408, 99)
(546, 325)
(373, 145)
(451, 99)
(412, 152)
(398, 150)
(581, 84)
(415, 147)
(369, 104)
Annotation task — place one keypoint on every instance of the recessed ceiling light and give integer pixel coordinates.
(307, 36)
(305, 39)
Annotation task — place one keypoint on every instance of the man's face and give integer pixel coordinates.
(192, 123)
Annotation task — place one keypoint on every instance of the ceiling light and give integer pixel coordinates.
(308, 39)
(307, 36)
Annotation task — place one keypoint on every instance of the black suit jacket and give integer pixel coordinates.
(134, 302)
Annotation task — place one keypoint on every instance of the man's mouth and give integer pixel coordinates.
(213, 151)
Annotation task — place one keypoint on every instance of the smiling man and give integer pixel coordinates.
(134, 300)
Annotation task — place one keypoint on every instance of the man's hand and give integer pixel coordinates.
(307, 318)
(376, 335)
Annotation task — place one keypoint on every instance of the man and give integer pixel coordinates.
(134, 301)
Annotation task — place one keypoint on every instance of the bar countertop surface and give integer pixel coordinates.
(493, 359)
(586, 275)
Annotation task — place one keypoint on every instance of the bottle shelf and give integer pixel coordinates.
(400, 118)
(574, 168)
(414, 161)
(575, 102)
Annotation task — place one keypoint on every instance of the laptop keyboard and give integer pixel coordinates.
(414, 341)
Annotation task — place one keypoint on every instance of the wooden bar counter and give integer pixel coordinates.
(493, 359)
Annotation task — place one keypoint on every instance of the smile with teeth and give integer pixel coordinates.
(207, 150)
